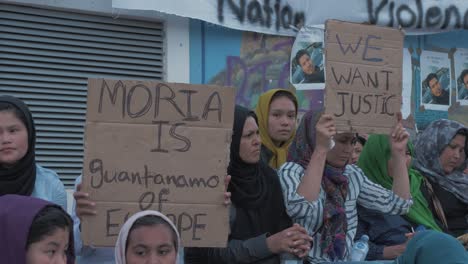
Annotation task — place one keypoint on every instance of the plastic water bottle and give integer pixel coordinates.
(360, 249)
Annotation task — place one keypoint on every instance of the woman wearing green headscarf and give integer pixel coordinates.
(387, 232)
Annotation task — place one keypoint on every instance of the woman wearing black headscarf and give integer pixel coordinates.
(19, 173)
(260, 228)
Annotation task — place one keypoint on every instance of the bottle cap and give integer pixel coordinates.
(420, 228)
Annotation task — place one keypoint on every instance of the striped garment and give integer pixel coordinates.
(310, 214)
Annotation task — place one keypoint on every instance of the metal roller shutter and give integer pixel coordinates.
(46, 57)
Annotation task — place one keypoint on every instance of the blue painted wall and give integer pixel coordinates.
(209, 46)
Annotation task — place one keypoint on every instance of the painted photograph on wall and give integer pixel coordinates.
(307, 60)
(461, 75)
(435, 80)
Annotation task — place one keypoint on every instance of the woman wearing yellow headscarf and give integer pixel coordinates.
(276, 111)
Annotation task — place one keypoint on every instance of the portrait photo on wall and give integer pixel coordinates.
(461, 75)
(307, 60)
(435, 80)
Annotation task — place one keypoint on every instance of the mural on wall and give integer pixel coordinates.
(263, 64)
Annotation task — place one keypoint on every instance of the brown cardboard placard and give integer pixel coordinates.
(363, 76)
(160, 146)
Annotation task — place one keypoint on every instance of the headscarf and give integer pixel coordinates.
(429, 247)
(255, 190)
(334, 183)
(17, 214)
(429, 146)
(262, 111)
(21, 177)
(303, 144)
(120, 246)
(373, 161)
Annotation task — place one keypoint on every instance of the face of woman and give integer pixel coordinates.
(357, 149)
(452, 154)
(281, 120)
(340, 154)
(461, 161)
(13, 139)
(249, 149)
(151, 244)
(51, 249)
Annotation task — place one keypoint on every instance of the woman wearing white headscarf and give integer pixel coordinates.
(147, 235)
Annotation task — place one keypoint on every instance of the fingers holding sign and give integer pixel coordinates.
(84, 205)
(325, 130)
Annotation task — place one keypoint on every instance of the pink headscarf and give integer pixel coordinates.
(123, 234)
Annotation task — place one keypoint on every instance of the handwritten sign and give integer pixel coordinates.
(363, 76)
(157, 146)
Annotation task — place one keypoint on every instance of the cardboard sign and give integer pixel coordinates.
(363, 76)
(157, 146)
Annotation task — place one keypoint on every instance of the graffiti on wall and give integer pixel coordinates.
(263, 64)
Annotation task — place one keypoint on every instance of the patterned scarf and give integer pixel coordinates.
(429, 145)
(335, 225)
(303, 143)
(334, 183)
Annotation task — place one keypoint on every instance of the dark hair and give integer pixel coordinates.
(286, 94)
(462, 75)
(462, 131)
(49, 219)
(7, 107)
(299, 54)
(361, 139)
(152, 220)
(254, 115)
(429, 77)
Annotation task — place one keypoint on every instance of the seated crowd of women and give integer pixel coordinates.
(304, 195)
